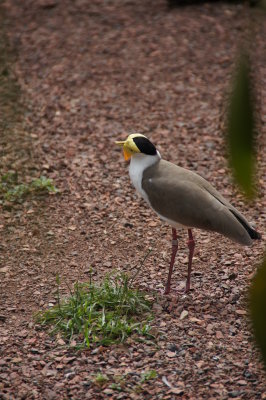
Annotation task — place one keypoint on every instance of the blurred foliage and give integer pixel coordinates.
(241, 143)
(241, 128)
(251, 3)
(258, 308)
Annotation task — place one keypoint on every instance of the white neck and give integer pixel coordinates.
(138, 163)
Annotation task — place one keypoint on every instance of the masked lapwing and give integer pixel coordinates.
(182, 198)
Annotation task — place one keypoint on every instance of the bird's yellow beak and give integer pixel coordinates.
(129, 146)
(121, 143)
(126, 151)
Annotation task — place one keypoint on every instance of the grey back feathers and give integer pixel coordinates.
(182, 196)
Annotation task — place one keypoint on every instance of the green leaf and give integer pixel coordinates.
(258, 308)
(241, 128)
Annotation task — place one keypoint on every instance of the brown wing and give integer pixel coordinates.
(188, 199)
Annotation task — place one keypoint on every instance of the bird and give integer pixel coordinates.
(182, 198)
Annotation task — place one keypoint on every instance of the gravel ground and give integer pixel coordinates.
(90, 73)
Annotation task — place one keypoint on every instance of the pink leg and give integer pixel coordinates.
(174, 250)
(191, 246)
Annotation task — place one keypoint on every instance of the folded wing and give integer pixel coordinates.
(186, 198)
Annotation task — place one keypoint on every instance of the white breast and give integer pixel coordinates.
(139, 162)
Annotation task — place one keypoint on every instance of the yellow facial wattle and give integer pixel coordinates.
(127, 153)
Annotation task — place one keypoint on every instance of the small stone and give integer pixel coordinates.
(50, 372)
(242, 382)
(50, 394)
(177, 391)
(16, 360)
(23, 333)
(108, 391)
(234, 394)
(183, 314)
(219, 335)
(170, 354)
(241, 312)
(153, 223)
(69, 360)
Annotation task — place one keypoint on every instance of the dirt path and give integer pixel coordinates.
(91, 72)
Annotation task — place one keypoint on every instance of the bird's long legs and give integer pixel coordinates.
(174, 250)
(191, 246)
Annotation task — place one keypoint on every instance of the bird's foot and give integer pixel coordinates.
(187, 290)
(166, 290)
(180, 290)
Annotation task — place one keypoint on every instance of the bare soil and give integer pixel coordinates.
(90, 73)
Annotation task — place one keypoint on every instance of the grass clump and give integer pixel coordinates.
(125, 383)
(100, 314)
(12, 191)
(148, 375)
(100, 379)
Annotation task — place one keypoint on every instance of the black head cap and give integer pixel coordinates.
(145, 146)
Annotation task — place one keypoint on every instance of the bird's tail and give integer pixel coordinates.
(254, 235)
